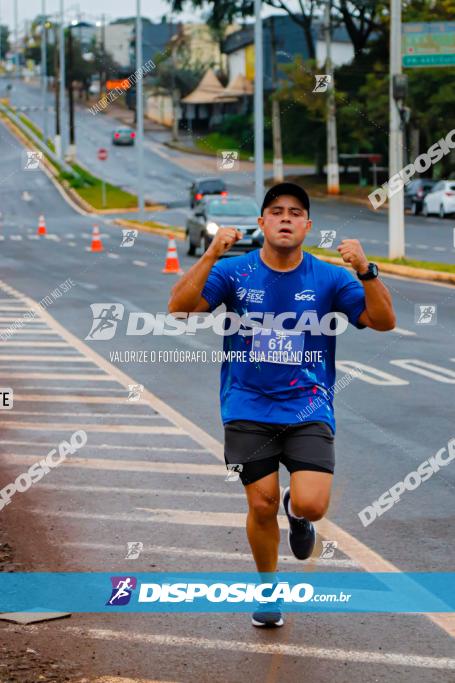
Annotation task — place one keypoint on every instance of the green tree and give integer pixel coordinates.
(4, 38)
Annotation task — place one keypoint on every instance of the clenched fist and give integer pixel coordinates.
(352, 253)
(223, 240)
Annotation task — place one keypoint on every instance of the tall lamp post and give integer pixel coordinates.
(258, 105)
(139, 115)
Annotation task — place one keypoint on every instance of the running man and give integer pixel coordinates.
(281, 411)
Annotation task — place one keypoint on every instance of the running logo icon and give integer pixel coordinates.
(128, 238)
(425, 314)
(122, 587)
(228, 160)
(328, 549)
(233, 472)
(322, 82)
(135, 391)
(134, 549)
(31, 159)
(105, 319)
(327, 237)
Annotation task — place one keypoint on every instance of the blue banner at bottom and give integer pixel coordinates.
(227, 592)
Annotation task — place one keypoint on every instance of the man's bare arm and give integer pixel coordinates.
(186, 294)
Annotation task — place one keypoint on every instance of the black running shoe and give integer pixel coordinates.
(268, 618)
(301, 535)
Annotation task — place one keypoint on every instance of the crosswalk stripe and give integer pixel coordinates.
(112, 447)
(216, 554)
(49, 359)
(163, 516)
(57, 375)
(122, 465)
(36, 330)
(286, 649)
(33, 344)
(140, 263)
(436, 372)
(70, 398)
(64, 426)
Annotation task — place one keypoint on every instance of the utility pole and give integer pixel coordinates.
(175, 93)
(16, 42)
(333, 176)
(58, 138)
(139, 115)
(72, 145)
(276, 120)
(258, 106)
(44, 69)
(396, 202)
(61, 101)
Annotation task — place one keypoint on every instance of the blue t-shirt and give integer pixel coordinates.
(257, 385)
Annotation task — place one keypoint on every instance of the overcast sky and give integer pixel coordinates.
(91, 10)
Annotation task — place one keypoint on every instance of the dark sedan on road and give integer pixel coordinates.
(204, 186)
(214, 212)
(415, 192)
(123, 136)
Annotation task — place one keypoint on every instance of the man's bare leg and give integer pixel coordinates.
(262, 524)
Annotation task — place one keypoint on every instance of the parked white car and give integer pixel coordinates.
(441, 199)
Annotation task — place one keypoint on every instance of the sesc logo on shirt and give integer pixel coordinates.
(306, 295)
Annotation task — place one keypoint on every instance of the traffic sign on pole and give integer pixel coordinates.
(429, 44)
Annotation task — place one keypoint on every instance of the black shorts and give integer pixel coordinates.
(259, 447)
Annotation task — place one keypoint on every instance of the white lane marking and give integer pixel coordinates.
(133, 415)
(140, 263)
(403, 332)
(196, 552)
(369, 374)
(71, 398)
(193, 643)
(71, 244)
(64, 426)
(54, 238)
(10, 319)
(57, 375)
(33, 344)
(16, 238)
(2, 237)
(422, 246)
(19, 307)
(34, 330)
(113, 256)
(112, 447)
(33, 237)
(416, 281)
(50, 359)
(43, 387)
(161, 516)
(140, 492)
(436, 372)
(439, 248)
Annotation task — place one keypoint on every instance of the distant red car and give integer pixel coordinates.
(202, 186)
(123, 136)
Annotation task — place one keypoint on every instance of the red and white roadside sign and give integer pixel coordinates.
(102, 154)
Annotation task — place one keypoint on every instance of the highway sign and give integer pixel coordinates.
(428, 44)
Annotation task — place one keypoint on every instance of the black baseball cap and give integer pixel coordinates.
(286, 188)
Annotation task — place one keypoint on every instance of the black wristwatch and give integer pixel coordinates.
(371, 273)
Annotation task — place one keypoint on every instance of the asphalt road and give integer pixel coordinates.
(148, 475)
(169, 172)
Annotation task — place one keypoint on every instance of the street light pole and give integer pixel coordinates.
(258, 105)
(139, 114)
(333, 176)
(72, 142)
(396, 202)
(44, 69)
(61, 101)
(16, 41)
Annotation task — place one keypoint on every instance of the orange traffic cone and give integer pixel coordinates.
(41, 226)
(97, 245)
(172, 264)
